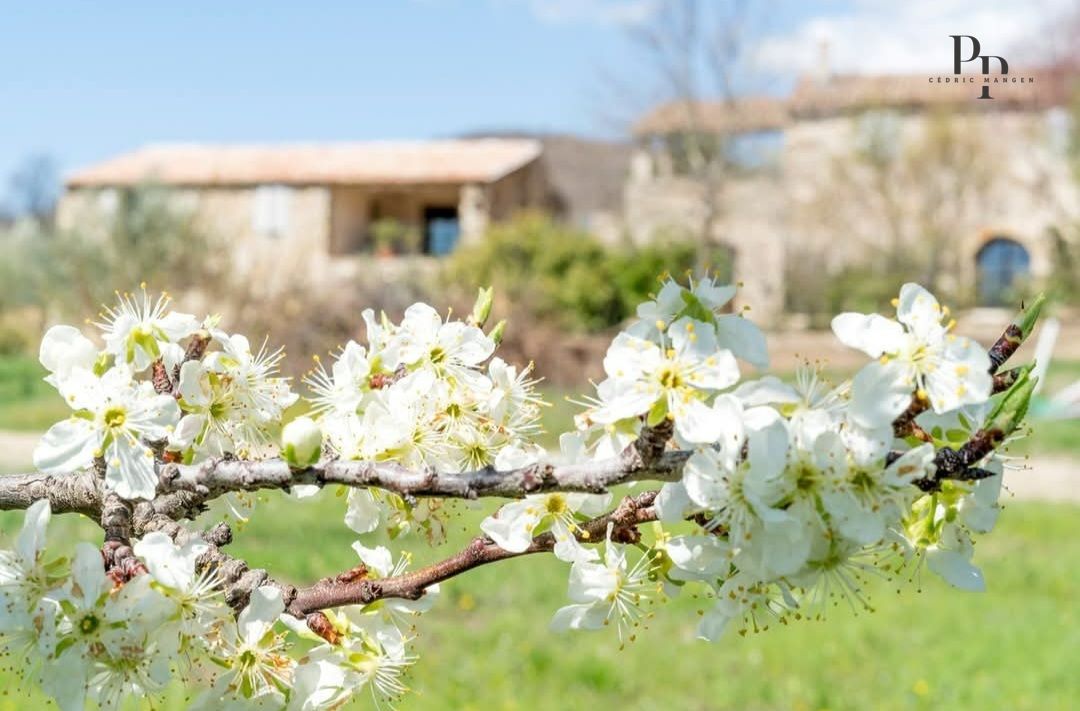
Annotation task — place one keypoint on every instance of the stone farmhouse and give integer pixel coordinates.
(792, 186)
(777, 203)
(321, 203)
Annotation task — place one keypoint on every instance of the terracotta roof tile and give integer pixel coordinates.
(743, 115)
(851, 93)
(416, 162)
(846, 93)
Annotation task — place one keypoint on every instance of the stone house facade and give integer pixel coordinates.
(779, 198)
(322, 205)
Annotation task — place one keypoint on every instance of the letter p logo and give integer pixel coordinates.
(957, 50)
(958, 59)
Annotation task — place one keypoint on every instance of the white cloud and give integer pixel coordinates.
(903, 37)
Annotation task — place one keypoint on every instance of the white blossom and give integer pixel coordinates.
(606, 592)
(115, 417)
(917, 354)
(138, 327)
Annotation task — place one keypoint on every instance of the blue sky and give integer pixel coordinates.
(83, 81)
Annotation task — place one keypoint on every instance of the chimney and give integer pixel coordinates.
(823, 72)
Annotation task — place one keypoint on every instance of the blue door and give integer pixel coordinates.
(441, 230)
(1003, 266)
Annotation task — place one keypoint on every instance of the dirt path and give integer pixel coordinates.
(17, 450)
(1047, 478)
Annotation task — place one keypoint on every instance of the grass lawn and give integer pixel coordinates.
(486, 643)
(27, 403)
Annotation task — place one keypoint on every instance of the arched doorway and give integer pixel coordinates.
(1002, 266)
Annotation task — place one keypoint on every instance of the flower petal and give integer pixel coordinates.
(880, 392)
(262, 611)
(130, 471)
(920, 311)
(67, 446)
(955, 569)
(32, 536)
(64, 348)
(743, 338)
(870, 333)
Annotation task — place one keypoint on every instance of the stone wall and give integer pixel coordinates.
(227, 216)
(751, 223)
(797, 204)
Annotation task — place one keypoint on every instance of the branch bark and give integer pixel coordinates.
(219, 476)
(69, 493)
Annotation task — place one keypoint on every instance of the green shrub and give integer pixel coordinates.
(151, 237)
(21, 378)
(561, 274)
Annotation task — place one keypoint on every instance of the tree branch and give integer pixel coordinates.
(354, 588)
(219, 476)
(68, 493)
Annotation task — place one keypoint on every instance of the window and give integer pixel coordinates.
(108, 200)
(441, 230)
(748, 151)
(1003, 265)
(753, 151)
(270, 210)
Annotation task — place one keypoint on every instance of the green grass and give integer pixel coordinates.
(486, 644)
(27, 403)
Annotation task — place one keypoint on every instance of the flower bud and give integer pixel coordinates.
(482, 308)
(301, 442)
(1013, 407)
(498, 332)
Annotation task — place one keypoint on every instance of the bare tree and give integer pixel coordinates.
(695, 53)
(34, 187)
(902, 197)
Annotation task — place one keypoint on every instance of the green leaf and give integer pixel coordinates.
(102, 364)
(1012, 408)
(657, 413)
(695, 309)
(1027, 318)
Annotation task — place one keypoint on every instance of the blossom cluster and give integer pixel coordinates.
(83, 635)
(779, 498)
(164, 382)
(800, 492)
(428, 394)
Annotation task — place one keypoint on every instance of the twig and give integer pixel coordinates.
(1005, 346)
(959, 464)
(338, 591)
